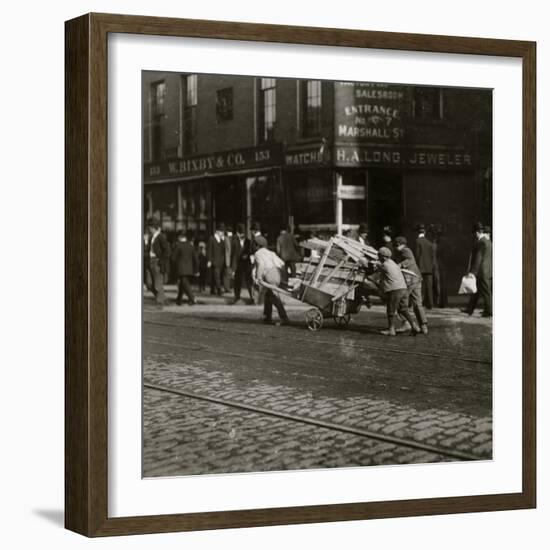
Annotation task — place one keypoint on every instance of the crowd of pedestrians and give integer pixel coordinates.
(228, 263)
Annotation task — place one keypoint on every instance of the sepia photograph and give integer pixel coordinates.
(317, 274)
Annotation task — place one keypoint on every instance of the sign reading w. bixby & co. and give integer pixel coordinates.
(227, 161)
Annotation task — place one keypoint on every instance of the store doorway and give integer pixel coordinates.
(229, 202)
(265, 204)
(385, 203)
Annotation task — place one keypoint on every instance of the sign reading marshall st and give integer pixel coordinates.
(227, 161)
(411, 157)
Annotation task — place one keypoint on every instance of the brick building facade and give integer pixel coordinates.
(318, 155)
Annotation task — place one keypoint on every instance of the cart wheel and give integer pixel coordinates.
(314, 319)
(342, 321)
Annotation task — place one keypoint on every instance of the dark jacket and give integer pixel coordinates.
(161, 249)
(185, 259)
(424, 255)
(215, 252)
(287, 247)
(482, 265)
(240, 255)
(405, 259)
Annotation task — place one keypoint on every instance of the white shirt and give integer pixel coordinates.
(266, 260)
(153, 238)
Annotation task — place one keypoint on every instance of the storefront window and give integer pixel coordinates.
(312, 198)
(165, 206)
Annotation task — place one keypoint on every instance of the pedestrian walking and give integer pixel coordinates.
(186, 263)
(394, 287)
(215, 254)
(227, 272)
(241, 265)
(203, 266)
(288, 250)
(270, 268)
(405, 260)
(158, 255)
(424, 254)
(482, 267)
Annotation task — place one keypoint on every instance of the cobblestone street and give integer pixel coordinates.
(225, 393)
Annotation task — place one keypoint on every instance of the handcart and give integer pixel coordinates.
(327, 281)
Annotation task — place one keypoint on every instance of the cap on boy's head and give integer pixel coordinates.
(478, 227)
(153, 222)
(400, 240)
(420, 227)
(385, 252)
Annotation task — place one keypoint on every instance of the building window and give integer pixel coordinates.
(267, 109)
(428, 103)
(190, 102)
(224, 105)
(158, 96)
(311, 108)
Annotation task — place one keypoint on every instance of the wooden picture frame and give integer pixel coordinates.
(86, 281)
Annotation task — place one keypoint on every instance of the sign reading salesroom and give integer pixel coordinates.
(366, 111)
(201, 165)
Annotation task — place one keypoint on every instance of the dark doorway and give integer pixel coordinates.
(229, 202)
(385, 206)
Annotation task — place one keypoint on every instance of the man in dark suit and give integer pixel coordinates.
(424, 254)
(241, 264)
(157, 254)
(215, 252)
(288, 250)
(186, 262)
(482, 267)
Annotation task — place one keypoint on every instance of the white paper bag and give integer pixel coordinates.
(468, 285)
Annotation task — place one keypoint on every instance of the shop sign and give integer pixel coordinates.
(305, 157)
(369, 112)
(351, 192)
(241, 159)
(401, 157)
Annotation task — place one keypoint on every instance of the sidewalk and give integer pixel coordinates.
(208, 303)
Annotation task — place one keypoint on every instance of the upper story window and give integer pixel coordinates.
(190, 102)
(311, 108)
(158, 96)
(428, 103)
(224, 105)
(267, 109)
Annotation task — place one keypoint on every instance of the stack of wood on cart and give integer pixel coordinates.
(333, 269)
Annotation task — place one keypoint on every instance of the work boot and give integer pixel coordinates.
(424, 328)
(415, 329)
